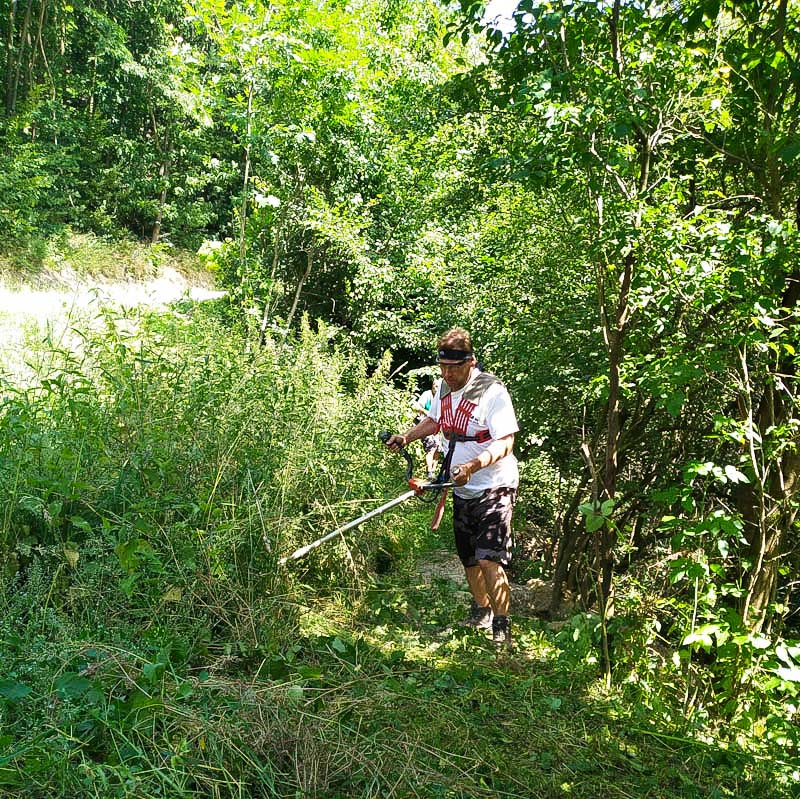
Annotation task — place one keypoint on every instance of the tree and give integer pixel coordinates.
(616, 111)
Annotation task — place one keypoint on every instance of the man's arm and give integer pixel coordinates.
(427, 427)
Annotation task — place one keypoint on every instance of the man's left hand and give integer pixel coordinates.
(461, 474)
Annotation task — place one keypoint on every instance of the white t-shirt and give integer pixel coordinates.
(495, 413)
(424, 401)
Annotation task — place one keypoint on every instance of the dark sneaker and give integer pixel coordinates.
(479, 618)
(501, 632)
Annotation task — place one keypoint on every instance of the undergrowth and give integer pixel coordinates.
(67, 255)
(152, 473)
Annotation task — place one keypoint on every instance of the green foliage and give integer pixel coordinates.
(605, 197)
(152, 473)
(154, 469)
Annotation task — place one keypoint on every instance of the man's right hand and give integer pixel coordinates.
(396, 442)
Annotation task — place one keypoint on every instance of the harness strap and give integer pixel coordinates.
(444, 472)
(481, 436)
(453, 423)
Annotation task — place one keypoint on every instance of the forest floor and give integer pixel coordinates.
(529, 599)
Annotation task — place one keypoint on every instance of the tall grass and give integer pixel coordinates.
(152, 472)
(153, 469)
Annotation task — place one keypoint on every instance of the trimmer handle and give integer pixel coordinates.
(384, 436)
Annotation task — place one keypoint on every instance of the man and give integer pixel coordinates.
(431, 444)
(473, 411)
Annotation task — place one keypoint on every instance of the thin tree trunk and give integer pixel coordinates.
(32, 51)
(608, 482)
(23, 41)
(767, 505)
(10, 65)
(567, 545)
(293, 309)
(276, 255)
(163, 173)
(246, 179)
(39, 47)
(165, 151)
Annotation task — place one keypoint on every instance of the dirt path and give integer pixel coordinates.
(66, 292)
(529, 599)
(59, 300)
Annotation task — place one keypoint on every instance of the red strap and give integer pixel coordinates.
(439, 512)
(481, 436)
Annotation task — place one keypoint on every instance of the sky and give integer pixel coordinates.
(501, 9)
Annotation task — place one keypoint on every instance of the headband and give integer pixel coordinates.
(453, 355)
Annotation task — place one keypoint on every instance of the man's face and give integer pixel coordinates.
(456, 373)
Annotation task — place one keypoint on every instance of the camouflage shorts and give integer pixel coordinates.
(482, 526)
(432, 443)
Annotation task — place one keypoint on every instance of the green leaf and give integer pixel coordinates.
(310, 672)
(734, 475)
(295, 693)
(699, 639)
(72, 686)
(594, 523)
(80, 523)
(13, 690)
(153, 672)
(129, 551)
(789, 151)
(674, 403)
(778, 59)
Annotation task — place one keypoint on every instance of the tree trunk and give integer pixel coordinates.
(276, 255)
(10, 65)
(163, 173)
(293, 309)
(767, 505)
(567, 546)
(39, 47)
(246, 179)
(23, 41)
(608, 479)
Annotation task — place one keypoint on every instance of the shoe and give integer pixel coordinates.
(501, 632)
(479, 618)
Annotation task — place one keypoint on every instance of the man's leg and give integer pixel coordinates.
(495, 582)
(480, 614)
(477, 586)
(493, 549)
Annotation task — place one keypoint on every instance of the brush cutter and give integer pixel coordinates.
(417, 488)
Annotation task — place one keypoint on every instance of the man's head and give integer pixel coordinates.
(455, 357)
